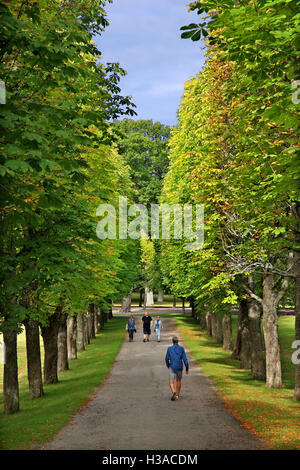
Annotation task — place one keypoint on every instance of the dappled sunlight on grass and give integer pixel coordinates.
(272, 414)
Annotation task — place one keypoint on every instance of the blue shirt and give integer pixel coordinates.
(174, 357)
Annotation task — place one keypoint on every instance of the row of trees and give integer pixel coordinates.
(58, 163)
(144, 146)
(235, 151)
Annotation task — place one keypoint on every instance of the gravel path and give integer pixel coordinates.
(132, 410)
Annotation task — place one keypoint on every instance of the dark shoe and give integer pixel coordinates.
(173, 397)
(144, 341)
(148, 339)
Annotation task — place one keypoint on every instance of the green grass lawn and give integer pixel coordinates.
(271, 414)
(38, 420)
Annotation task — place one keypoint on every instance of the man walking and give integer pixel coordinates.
(146, 323)
(174, 361)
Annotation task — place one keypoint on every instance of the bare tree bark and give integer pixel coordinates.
(62, 345)
(110, 313)
(80, 332)
(126, 303)
(208, 323)
(258, 367)
(160, 296)
(71, 337)
(86, 329)
(270, 302)
(270, 324)
(243, 313)
(49, 334)
(10, 377)
(227, 332)
(141, 297)
(148, 297)
(219, 330)
(92, 320)
(33, 352)
(214, 325)
(246, 349)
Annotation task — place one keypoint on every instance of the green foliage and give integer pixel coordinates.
(144, 145)
(235, 150)
(57, 162)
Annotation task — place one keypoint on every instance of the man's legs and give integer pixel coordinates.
(146, 335)
(178, 386)
(172, 387)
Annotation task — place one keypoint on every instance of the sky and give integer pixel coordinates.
(144, 37)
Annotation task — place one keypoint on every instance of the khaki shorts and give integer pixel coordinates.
(175, 374)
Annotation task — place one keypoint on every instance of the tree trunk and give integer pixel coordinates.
(219, 330)
(246, 349)
(126, 303)
(148, 297)
(80, 332)
(33, 352)
(297, 321)
(160, 296)
(100, 324)
(71, 337)
(49, 334)
(258, 367)
(62, 345)
(270, 325)
(208, 323)
(174, 301)
(110, 314)
(227, 333)
(96, 326)
(202, 321)
(243, 313)
(141, 297)
(103, 315)
(214, 325)
(10, 376)
(92, 321)
(86, 329)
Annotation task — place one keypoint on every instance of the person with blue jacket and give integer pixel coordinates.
(175, 357)
(131, 328)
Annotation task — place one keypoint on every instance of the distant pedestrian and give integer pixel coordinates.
(146, 323)
(158, 327)
(130, 327)
(175, 357)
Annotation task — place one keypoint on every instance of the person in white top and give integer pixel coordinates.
(158, 327)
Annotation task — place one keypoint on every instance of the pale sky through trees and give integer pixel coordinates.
(144, 36)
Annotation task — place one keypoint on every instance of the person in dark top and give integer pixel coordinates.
(174, 361)
(146, 323)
